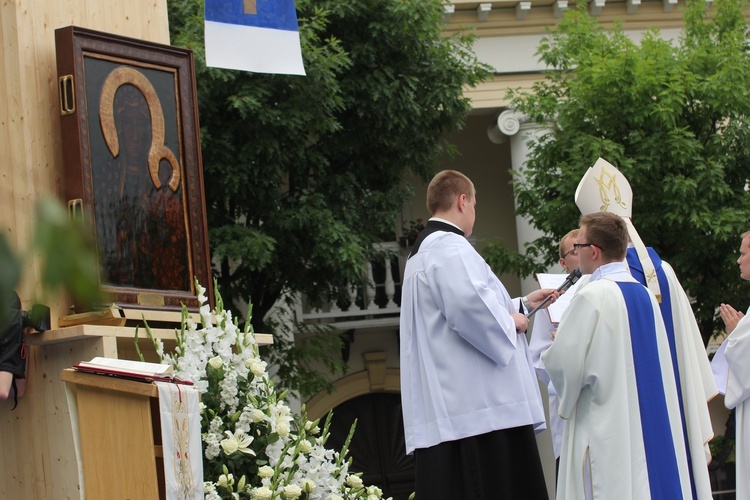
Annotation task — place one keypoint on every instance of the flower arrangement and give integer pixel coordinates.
(253, 446)
(411, 229)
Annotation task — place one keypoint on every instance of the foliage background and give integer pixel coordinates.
(674, 117)
(303, 174)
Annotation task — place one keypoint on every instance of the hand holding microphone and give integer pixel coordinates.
(570, 280)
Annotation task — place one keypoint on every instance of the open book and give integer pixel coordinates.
(125, 368)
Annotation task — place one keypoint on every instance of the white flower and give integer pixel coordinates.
(256, 366)
(305, 446)
(374, 491)
(239, 376)
(216, 362)
(287, 462)
(226, 481)
(230, 445)
(159, 347)
(292, 491)
(282, 429)
(237, 441)
(354, 481)
(263, 493)
(308, 485)
(212, 495)
(274, 452)
(265, 471)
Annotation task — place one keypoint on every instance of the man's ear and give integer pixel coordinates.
(461, 202)
(597, 252)
(562, 264)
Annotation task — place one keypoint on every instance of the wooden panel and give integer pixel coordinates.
(117, 444)
(37, 459)
(29, 113)
(126, 334)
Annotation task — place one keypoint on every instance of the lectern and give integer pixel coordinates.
(120, 436)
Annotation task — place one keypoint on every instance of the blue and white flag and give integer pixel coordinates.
(253, 35)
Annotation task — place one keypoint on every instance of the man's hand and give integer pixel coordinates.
(730, 316)
(522, 322)
(537, 297)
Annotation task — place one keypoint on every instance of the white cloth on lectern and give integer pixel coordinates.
(179, 408)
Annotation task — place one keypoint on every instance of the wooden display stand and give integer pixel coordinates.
(38, 458)
(120, 436)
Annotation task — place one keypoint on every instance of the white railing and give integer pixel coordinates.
(373, 301)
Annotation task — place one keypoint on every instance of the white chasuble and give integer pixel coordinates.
(696, 384)
(611, 366)
(737, 354)
(465, 371)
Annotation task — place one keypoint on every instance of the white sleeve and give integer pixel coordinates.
(737, 354)
(474, 302)
(567, 358)
(541, 340)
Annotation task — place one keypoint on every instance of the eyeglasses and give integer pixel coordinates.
(573, 251)
(578, 246)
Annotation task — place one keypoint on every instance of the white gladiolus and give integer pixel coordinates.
(240, 408)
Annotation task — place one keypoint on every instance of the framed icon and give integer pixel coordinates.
(132, 164)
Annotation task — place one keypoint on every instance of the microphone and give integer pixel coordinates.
(569, 281)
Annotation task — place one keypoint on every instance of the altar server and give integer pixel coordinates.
(471, 403)
(605, 189)
(611, 367)
(734, 378)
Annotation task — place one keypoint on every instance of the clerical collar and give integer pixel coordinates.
(435, 224)
(445, 221)
(615, 271)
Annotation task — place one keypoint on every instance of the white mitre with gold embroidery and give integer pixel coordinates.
(605, 189)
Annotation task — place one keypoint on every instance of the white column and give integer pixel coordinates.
(520, 129)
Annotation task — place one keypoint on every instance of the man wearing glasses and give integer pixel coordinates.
(611, 367)
(605, 189)
(541, 338)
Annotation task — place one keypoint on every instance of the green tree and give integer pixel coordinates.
(303, 174)
(674, 117)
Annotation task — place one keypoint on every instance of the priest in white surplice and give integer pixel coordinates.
(612, 369)
(471, 402)
(733, 375)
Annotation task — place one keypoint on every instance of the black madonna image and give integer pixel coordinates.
(132, 161)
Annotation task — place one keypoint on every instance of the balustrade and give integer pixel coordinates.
(373, 301)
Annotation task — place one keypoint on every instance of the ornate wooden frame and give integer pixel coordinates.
(132, 164)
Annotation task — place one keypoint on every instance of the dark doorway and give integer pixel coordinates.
(378, 445)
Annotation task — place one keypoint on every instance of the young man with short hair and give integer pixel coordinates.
(471, 402)
(611, 366)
